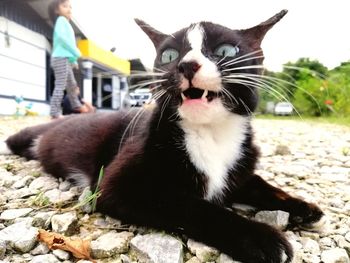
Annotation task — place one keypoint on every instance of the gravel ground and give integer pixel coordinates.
(306, 159)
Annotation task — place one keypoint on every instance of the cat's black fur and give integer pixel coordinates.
(151, 176)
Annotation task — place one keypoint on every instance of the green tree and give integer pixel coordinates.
(339, 89)
(303, 68)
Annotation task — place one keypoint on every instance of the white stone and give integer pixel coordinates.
(40, 249)
(23, 182)
(278, 219)
(65, 223)
(11, 214)
(157, 248)
(223, 258)
(61, 254)
(347, 236)
(310, 246)
(203, 252)
(20, 237)
(49, 258)
(43, 219)
(64, 186)
(2, 249)
(55, 196)
(44, 183)
(111, 244)
(335, 255)
(193, 260)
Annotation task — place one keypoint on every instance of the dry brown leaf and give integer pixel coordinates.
(80, 248)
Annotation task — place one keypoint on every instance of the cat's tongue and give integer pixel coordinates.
(194, 101)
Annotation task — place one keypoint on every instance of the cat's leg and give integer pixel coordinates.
(242, 239)
(258, 193)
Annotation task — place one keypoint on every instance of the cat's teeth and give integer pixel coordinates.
(183, 96)
(205, 94)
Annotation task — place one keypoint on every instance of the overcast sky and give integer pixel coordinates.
(316, 29)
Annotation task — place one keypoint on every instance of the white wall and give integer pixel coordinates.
(23, 62)
(9, 106)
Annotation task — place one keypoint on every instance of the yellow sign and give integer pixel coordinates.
(93, 52)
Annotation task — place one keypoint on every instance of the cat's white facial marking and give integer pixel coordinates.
(208, 76)
(202, 112)
(215, 148)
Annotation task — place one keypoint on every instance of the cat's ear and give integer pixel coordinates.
(256, 34)
(156, 36)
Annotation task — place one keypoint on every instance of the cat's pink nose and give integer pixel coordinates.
(189, 69)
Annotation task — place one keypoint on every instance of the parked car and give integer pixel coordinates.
(139, 97)
(284, 108)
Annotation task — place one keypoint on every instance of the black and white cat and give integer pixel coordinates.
(180, 166)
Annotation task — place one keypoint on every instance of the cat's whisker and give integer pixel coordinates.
(242, 60)
(263, 86)
(165, 104)
(261, 79)
(132, 124)
(161, 70)
(246, 108)
(154, 89)
(128, 128)
(312, 72)
(175, 115)
(158, 94)
(229, 95)
(253, 84)
(279, 83)
(147, 83)
(244, 67)
(133, 75)
(243, 56)
(136, 122)
(222, 59)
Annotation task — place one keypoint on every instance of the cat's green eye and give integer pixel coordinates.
(169, 55)
(226, 50)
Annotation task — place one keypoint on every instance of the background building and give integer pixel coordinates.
(25, 48)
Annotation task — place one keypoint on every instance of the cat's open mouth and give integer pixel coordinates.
(197, 93)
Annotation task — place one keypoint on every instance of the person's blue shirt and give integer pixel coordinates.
(64, 43)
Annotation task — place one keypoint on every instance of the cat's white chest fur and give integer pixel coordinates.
(214, 149)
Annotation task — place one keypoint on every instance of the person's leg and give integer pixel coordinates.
(60, 68)
(72, 95)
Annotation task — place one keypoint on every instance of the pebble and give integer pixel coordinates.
(11, 214)
(158, 248)
(278, 219)
(65, 223)
(335, 255)
(203, 253)
(49, 258)
(61, 254)
(40, 249)
(223, 258)
(111, 244)
(44, 183)
(2, 249)
(56, 196)
(20, 237)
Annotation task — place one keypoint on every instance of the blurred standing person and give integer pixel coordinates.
(64, 57)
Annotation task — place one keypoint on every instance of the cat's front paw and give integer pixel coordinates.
(306, 215)
(265, 245)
